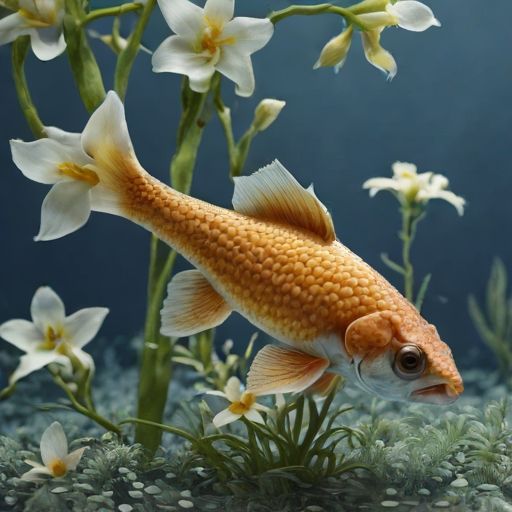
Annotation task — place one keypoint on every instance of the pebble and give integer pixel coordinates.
(123, 470)
(391, 492)
(170, 475)
(138, 485)
(314, 508)
(83, 487)
(153, 489)
(488, 487)
(460, 457)
(107, 494)
(59, 490)
(125, 507)
(460, 482)
(185, 504)
(186, 493)
(135, 494)
(131, 476)
(442, 504)
(437, 479)
(389, 504)
(10, 500)
(424, 492)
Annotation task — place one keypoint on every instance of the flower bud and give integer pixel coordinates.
(266, 113)
(335, 51)
(376, 55)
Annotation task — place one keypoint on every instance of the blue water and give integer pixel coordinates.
(448, 110)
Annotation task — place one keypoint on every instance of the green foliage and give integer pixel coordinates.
(495, 324)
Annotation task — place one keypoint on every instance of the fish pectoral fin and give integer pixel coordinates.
(283, 370)
(191, 305)
(324, 385)
(272, 193)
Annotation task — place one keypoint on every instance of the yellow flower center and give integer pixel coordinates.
(58, 467)
(79, 173)
(244, 404)
(53, 340)
(39, 17)
(211, 40)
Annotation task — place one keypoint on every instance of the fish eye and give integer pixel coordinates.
(409, 362)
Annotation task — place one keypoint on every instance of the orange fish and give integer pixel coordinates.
(274, 259)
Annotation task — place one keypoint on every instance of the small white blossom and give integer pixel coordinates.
(54, 453)
(72, 163)
(409, 186)
(51, 336)
(42, 21)
(209, 40)
(243, 404)
(266, 113)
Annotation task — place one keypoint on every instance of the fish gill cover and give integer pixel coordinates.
(346, 407)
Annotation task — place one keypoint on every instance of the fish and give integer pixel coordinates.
(276, 260)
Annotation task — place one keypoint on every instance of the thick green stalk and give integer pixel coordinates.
(127, 56)
(19, 52)
(118, 10)
(83, 63)
(156, 368)
(406, 236)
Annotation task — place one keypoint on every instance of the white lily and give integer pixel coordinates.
(209, 40)
(42, 21)
(52, 336)
(410, 186)
(54, 453)
(72, 162)
(243, 404)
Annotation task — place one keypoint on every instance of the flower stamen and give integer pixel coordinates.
(72, 170)
(57, 467)
(244, 404)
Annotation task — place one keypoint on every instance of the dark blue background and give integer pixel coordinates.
(448, 110)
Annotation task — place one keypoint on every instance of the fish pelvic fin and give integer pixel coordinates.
(272, 193)
(191, 305)
(282, 370)
(325, 384)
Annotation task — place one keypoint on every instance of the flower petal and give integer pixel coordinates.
(38, 160)
(250, 34)
(21, 333)
(237, 67)
(85, 359)
(54, 444)
(107, 131)
(219, 11)
(377, 184)
(233, 389)
(83, 325)
(376, 55)
(66, 138)
(254, 416)
(73, 459)
(413, 15)
(183, 17)
(32, 362)
(224, 417)
(216, 393)
(47, 309)
(47, 43)
(65, 209)
(404, 169)
(11, 27)
(36, 474)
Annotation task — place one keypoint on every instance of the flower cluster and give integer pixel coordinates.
(413, 188)
(407, 14)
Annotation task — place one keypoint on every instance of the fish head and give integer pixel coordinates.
(403, 360)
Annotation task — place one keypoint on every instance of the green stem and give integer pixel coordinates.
(19, 52)
(127, 56)
(156, 367)
(312, 10)
(111, 11)
(93, 415)
(83, 63)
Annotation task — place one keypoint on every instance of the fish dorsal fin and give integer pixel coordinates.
(191, 305)
(283, 370)
(272, 193)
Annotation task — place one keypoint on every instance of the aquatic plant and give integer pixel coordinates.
(413, 192)
(495, 323)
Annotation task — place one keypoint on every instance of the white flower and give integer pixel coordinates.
(209, 40)
(42, 21)
(54, 453)
(407, 14)
(409, 186)
(266, 113)
(335, 52)
(51, 336)
(65, 160)
(243, 403)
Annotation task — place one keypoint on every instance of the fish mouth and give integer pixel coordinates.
(441, 394)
